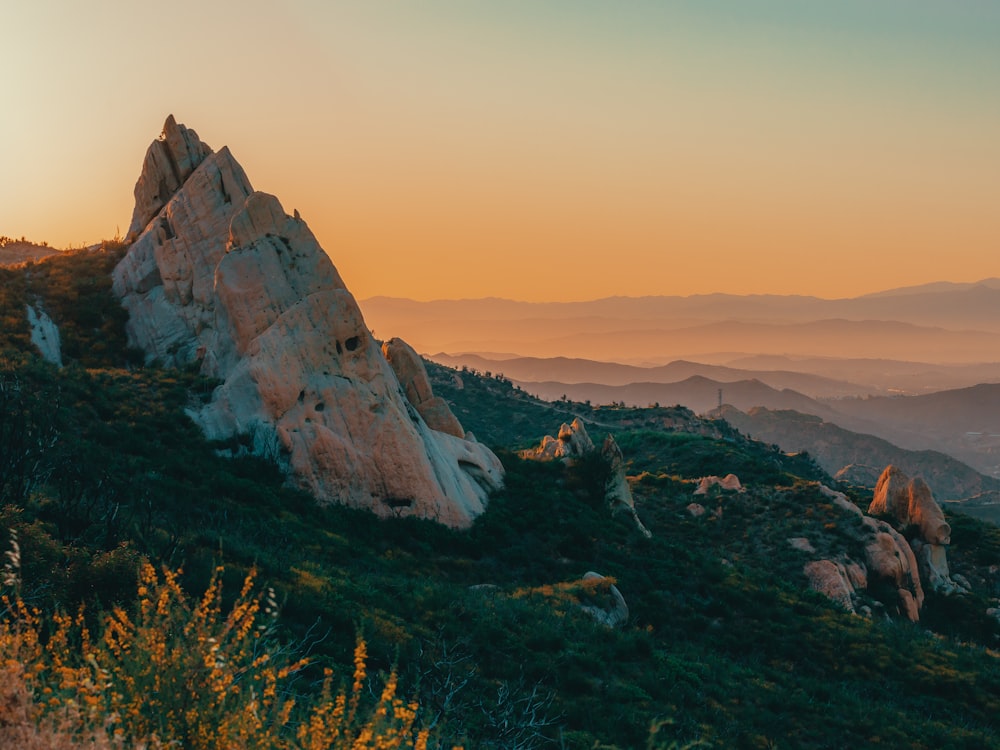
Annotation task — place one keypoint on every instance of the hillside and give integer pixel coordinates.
(856, 457)
(14, 252)
(574, 371)
(724, 641)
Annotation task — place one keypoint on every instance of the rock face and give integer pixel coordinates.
(910, 502)
(830, 579)
(617, 492)
(45, 336)
(219, 274)
(412, 375)
(574, 442)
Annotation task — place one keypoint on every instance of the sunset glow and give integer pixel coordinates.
(537, 151)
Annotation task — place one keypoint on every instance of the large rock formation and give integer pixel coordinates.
(617, 492)
(218, 274)
(910, 503)
(572, 442)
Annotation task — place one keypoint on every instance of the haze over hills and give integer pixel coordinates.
(947, 325)
(817, 356)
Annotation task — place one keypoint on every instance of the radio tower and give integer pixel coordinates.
(720, 399)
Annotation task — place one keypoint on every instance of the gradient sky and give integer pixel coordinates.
(558, 150)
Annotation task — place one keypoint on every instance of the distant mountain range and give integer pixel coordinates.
(939, 323)
(856, 457)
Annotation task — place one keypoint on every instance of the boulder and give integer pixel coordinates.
(909, 502)
(572, 442)
(830, 579)
(221, 276)
(729, 482)
(891, 559)
(696, 510)
(603, 601)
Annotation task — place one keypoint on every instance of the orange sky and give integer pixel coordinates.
(537, 150)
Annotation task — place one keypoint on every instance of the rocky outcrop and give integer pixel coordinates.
(412, 376)
(830, 579)
(617, 492)
(220, 275)
(888, 557)
(45, 335)
(729, 482)
(910, 503)
(572, 442)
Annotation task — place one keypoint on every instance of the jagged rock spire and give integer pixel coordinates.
(220, 275)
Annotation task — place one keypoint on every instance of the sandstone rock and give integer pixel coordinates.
(728, 482)
(45, 335)
(890, 558)
(910, 502)
(169, 161)
(603, 601)
(220, 274)
(412, 376)
(830, 579)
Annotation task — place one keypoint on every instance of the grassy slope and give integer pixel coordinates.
(723, 639)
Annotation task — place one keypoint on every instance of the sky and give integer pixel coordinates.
(536, 149)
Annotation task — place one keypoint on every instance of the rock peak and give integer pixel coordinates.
(219, 275)
(170, 160)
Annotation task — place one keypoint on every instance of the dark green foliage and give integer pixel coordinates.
(724, 643)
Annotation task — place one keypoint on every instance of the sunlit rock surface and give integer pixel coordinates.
(220, 275)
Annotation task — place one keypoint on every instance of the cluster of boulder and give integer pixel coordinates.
(219, 276)
(572, 443)
(899, 503)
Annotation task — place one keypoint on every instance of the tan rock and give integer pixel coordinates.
(830, 579)
(572, 442)
(696, 510)
(890, 558)
(221, 275)
(910, 502)
(169, 161)
(729, 482)
(412, 375)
